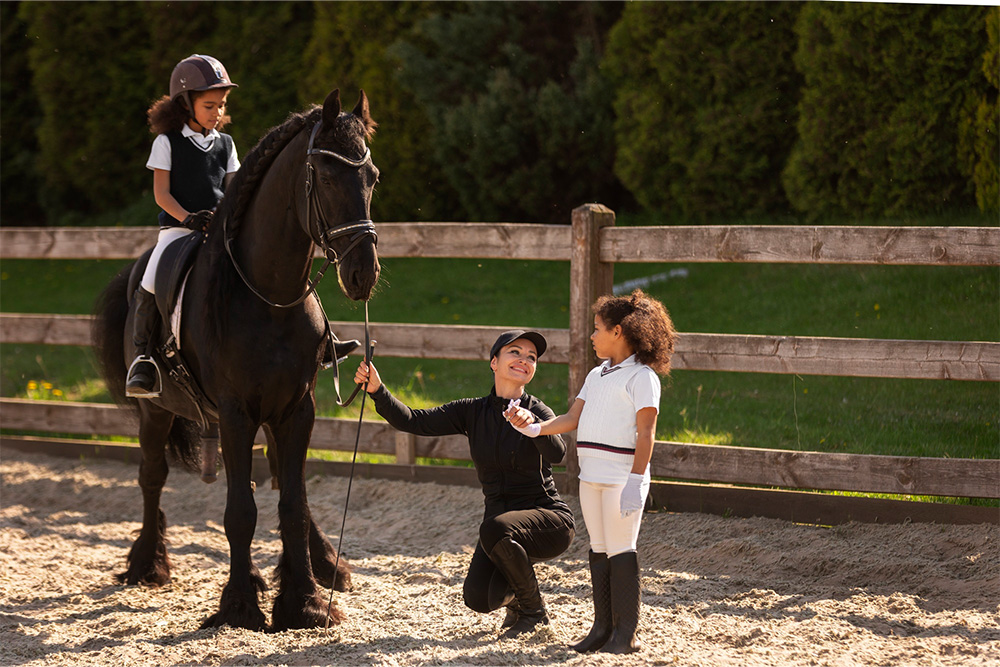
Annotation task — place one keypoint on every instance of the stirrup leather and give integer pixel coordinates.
(157, 384)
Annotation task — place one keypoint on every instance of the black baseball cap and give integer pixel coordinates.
(508, 337)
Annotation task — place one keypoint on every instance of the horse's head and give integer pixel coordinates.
(341, 178)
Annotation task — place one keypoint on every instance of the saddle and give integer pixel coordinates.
(171, 273)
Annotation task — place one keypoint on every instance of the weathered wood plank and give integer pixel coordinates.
(800, 355)
(942, 246)
(102, 419)
(900, 475)
(76, 242)
(45, 329)
(396, 239)
(815, 508)
(851, 357)
(445, 341)
(479, 240)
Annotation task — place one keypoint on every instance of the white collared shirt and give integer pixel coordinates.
(160, 156)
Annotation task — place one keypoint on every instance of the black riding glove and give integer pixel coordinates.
(199, 222)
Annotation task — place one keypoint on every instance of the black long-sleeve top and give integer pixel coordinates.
(515, 471)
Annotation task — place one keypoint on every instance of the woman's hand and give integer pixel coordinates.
(368, 373)
(521, 419)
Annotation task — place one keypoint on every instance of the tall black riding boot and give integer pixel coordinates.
(337, 352)
(501, 595)
(513, 561)
(600, 579)
(625, 603)
(141, 382)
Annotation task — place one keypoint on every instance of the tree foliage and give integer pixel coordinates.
(705, 102)
(347, 50)
(887, 88)
(519, 110)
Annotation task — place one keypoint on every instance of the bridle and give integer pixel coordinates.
(360, 229)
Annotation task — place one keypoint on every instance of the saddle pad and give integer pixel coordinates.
(172, 270)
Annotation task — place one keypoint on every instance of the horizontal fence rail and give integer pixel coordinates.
(705, 474)
(901, 475)
(798, 355)
(941, 246)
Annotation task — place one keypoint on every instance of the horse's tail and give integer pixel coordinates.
(107, 335)
(184, 443)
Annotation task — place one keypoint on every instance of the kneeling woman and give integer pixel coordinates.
(525, 519)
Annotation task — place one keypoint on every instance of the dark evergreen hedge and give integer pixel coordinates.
(705, 101)
(520, 112)
(888, 89)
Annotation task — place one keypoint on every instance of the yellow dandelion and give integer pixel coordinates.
(32, 386)
(57, 392)
(876, 306)
(46, 385)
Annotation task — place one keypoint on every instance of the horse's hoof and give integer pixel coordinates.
(154, 577)
(312, 615)
(249, 621)
(209, 478)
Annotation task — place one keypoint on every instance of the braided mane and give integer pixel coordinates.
(255, 165)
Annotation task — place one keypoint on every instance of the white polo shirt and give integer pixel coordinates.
(606, 433)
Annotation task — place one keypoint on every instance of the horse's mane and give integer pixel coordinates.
(255, 165)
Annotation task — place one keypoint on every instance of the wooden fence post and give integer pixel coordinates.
(589, 278)
(406, 448)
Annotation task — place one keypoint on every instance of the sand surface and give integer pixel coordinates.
(716, 591)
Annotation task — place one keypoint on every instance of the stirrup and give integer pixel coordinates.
(157, 382)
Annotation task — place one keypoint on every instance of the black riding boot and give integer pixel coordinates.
(339, 351)
(600, 579)
(501, 595)
(513, 561)
(625, 603)
(141, 382)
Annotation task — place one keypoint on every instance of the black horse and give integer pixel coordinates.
(253, 339)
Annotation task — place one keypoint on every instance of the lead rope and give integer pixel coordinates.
(369, 353)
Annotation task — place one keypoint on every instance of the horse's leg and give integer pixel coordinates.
(322, 554)
(299, 603)
(272, 458)
(239, 606)
(209, 453)
(148, 562)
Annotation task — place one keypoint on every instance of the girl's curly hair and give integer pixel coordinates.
(169, 115)
(646, 326)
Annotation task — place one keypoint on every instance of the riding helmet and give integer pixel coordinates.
(196, 73)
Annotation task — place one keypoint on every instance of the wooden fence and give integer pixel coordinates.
(717, 479)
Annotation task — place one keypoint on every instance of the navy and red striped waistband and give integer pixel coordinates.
(611, 449)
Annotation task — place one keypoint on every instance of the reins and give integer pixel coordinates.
(369, 354)
(361, 229)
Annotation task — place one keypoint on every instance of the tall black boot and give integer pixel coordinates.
(338, 351)
(625, 603)
(142, 375)
(513, 561)
(600, 579)
(501, 595)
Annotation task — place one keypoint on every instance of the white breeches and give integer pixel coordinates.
(166, 237)
(609, 532)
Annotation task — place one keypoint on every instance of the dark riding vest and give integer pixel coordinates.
(196, 175)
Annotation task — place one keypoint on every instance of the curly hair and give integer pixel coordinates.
(169, 115)
(646, 326)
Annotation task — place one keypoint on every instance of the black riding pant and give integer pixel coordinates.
(543, 533)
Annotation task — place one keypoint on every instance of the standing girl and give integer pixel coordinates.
(615, 412)
(192, 163)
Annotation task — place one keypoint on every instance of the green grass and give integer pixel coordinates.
(849, 415)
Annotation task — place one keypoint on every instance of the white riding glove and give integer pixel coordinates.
(631, 500)
(531, 430)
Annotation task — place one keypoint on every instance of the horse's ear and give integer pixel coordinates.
(331, 107)
(361, 111)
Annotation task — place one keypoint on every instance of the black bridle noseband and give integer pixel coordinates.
(360, 229)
